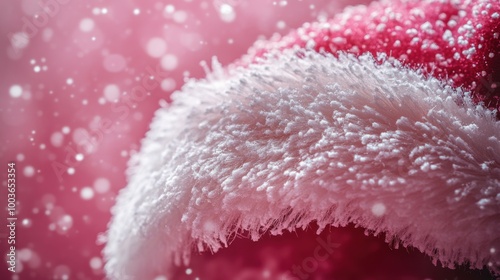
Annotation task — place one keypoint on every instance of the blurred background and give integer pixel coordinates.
(79, 83)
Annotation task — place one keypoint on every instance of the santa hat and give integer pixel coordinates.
(383, 117)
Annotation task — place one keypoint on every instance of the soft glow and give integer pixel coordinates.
(29, 171)
(227, 13)
(15, 91)
(169, 62)
(20, 40)
(87, 24)
(102, 185)
(112, 92)
(86, 193)
(156, 47)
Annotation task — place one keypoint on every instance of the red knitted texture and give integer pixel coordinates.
(455, 41)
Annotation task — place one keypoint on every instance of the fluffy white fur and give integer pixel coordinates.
(305, 137)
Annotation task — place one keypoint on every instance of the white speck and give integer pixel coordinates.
(456, 56)
(104, 11)
(189, 271)
(491, 55)
(281, 24)
(137, 11)
(87, 24)
(495, 15)
(434, 46)
(69, 81)
(27, 222)
(378, 209)
(493, 250)
(156, 47)
(469, 52)
(452, 23)
(29, 171)
(101, 185)
(310, 44)
(56, 139)
(161, 277)
(86, 193)
(168, 84)
(339, 40)
(448, 36)
(483, 202)
(412, 32)
(427, 28)
(65, 222)
(417, 12)
(36, 69)
(66, 130)
(227, 13)
(79, 157)
(95, 263)
(15, 91)
(180, 16)
(71, 171)
(112, 92)
(380, 27)
(20, 157)
(425, 167)
(170, 9)
(169, 62)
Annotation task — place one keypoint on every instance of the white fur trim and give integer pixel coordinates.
(294, 140)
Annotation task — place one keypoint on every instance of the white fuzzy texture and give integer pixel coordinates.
(310, 137)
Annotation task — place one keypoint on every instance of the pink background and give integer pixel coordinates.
(67, 115)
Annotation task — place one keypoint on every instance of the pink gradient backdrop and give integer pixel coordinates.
(73, 105)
